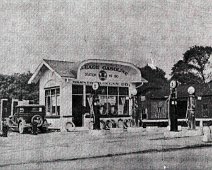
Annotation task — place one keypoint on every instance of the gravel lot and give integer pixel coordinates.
(51, 150)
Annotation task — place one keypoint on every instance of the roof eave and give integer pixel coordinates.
(36, 75)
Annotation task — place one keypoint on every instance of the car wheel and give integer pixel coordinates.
(90, 125)
(120, 123)
(132, 123)
(38, 119)
(109, 124)
(21, 127)
(70, 126)
(102, 124)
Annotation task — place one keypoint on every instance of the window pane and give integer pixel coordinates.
(57, 91)
(205, 106)
(58, 100)
(52, 101)
(123, 108)
(77, 89)
(36, 109)
(53, 110)
(102, 90)
(52, 92)
(112, 90)
(123, 91)
(47, 92)
(48, 99)
(89, 90)
(58, 110)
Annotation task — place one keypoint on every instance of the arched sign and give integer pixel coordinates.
(108, 71)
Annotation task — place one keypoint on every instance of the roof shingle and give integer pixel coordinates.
(64, 68)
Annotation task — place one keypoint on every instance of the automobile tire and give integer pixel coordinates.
(38, 119)
(70, 126)
(90, 125)
(109, 124)
(120, 123)
(102, 124)
(21, 127)
(113, 123)
(132, 123)
(126, 123)
(44, 129)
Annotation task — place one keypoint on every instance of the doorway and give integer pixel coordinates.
(181, 108)
(77, 110)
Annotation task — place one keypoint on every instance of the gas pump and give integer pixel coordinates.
(191, 104)
(173, 106)
(3, 114)
(96, 107)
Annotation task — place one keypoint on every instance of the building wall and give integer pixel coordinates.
(204, 107)
(48, 79)
(66, 99)
(159, 109)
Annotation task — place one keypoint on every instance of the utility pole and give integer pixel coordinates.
(173, 106)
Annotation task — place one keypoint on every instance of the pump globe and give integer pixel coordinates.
(191, 90)
(133, 91)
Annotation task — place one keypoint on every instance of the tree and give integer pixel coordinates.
(16, 86)
(193, 66)
(155, 77)
(180, 72)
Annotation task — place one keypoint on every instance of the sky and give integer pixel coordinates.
(136, 31)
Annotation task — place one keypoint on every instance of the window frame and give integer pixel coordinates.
(50, 93)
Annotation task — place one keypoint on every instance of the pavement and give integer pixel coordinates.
(25, 149)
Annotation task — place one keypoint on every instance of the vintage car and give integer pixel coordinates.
(27, 115)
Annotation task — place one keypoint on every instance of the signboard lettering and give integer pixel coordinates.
(108, 72)
(104, 67)
(102, 83)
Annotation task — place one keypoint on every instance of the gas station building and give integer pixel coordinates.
(65, 89)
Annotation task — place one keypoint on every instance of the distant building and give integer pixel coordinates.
(155, 105)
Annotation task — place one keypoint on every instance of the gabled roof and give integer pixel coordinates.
(71, 69)
(60, 68)
(63, 68)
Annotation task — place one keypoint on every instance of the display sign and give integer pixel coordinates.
(108, 72)
(109, 99)
(95, 86)
(102, 83)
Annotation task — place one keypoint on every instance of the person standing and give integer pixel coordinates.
(96, 107)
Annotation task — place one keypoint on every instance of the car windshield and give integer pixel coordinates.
(30, 109)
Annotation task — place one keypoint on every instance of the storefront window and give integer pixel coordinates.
(113, 101)
(123, 105)
(113, 91)
(123, 91)
(52, 101)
